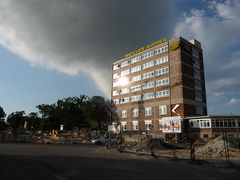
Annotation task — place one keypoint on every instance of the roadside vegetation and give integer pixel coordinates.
(82, 112)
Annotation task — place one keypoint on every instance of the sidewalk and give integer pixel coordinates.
(184, 154)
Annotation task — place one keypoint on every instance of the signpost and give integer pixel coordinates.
(172, 125)
(61, 127)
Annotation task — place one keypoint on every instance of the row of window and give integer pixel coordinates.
(226, 123)
(135, 125)
(139, 58)
(151, 95)
(141, 67)
(147, 111)
(207, 123)
(200, 123)
(147, 75)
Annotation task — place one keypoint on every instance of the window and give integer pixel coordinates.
(126, 72)
(221, 123)
(213, 123)
(115, 93)
(197, 74)
(162, 82)
(124, 125)
(198, 95)
(115, 84)
(198, 84)
(162, 109)
(148, 75)
(148, 65)
(229, 123)
(161, 50)
(195, 53)
(204, 123)
(115, 67)
(196, 63)
(135, 125)
(135, 112)
(125, 63)
(225, 123)
(148, 85)
(136, 69)
(136, 78)
(162, 93)
(124, 113)
(148, 55)
(124, 91)
(148, 124)
(199, 109)
(217, 123)
(148, 96)
(136, 59)
(148, 111)
(116, 101)
(135, 98)
(161, 71)
(194, 123)
(124, 100)
(161, 60)
(116, 75)
(136, 88)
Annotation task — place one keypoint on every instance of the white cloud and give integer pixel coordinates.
(80, 36)
(218, 29)
(233, 101)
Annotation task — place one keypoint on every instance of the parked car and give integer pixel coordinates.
(103, 141)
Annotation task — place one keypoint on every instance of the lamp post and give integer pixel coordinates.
(173, 125)
(238, 137)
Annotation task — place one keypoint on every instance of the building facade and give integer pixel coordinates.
(213, 126)
(150, 81)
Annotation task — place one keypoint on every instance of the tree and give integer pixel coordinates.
(16, 119)
(2, 116)
(49, 116)
(98, 112)
(33, 121)
(82, 112)
(2, 113)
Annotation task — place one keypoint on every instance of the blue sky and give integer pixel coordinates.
(25, 86)
(52, 50)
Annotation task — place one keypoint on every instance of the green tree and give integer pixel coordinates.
(16, 119)
(49, 116)
(2, 116)
(98, 111)
(33, 121)
(82, 112)
(2, 113)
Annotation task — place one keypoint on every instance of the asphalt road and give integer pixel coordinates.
(47, 161)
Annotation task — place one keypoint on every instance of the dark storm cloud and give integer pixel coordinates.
(86, 36)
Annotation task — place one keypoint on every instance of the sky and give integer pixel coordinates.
(55, 49)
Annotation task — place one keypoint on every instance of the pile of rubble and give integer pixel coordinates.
(64, 138)
(214, 148)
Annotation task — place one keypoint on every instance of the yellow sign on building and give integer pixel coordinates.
(155, 43)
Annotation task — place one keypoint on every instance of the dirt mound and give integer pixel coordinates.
(214, 148)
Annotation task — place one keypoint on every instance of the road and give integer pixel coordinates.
(48, 161)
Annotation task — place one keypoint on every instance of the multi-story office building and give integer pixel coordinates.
(150, 81)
